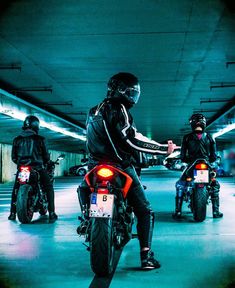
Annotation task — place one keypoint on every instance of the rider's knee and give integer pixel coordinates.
(180, 187)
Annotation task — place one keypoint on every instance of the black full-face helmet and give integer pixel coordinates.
(198, 120)
(31, 122)
(125, 88)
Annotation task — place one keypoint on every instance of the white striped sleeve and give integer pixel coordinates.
(138, 141)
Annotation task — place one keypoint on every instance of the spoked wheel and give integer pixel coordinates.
(24, 204)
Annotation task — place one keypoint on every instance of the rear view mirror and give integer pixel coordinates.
(61, 157)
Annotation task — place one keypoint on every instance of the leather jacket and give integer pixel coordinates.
(30, 148)
(113, 138)
(193, 148)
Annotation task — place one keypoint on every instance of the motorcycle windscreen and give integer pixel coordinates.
(101, 205)
(201, 176)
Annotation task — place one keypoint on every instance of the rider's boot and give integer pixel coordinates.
(178, 207)
(148, 261)
(12, 215)
(215, 208)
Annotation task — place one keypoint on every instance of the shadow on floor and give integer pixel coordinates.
(163, 216)
(104, 282)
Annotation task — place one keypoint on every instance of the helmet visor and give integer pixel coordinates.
(133, 94)
(198, 121)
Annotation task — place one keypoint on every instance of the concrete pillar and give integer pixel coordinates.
(0, 163)
(8, 167)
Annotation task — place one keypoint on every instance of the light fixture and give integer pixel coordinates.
(21, 116)
(228, 128)
(61, 130)
(12, 113)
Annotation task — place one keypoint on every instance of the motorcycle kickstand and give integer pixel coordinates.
(87, 247)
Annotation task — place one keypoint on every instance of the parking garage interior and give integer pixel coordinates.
(56, 58)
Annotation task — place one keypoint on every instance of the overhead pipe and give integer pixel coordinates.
(33, 89)
(43, 104)
(214, 100)
(10, 67)
(227, 108)
(229, 63)
(215, 85)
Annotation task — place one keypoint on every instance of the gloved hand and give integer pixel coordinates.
(50, 165)
(171, 147)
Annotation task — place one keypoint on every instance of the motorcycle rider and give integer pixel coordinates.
(195, 145)
(112, 138)
(30, 148)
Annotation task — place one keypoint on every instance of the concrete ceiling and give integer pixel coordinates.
(179, 49)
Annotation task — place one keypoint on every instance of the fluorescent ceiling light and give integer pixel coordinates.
(228, 128)
(21, 116)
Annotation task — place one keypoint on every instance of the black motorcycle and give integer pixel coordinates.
(109, 217)
(199, 177)
(30, 196)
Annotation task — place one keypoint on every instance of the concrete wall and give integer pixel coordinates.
(8, 168)
(70, 159)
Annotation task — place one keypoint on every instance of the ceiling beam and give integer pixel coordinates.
(222, 112)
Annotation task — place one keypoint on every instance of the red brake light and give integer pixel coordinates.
(201, 166)
(24, 168)
(105, 173)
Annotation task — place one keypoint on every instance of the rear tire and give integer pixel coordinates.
(200, 197)
(102, 247)
(24, 203)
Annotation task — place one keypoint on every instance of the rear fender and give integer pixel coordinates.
(119, 180)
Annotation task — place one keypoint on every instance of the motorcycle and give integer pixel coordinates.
(199, 177)
(109, 223)
(30, 196)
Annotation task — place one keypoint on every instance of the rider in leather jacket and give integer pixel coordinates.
(112, 138)
(30, 148)
(195, 145)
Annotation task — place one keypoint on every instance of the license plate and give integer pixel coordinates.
(201, 176)
(101, 205)
(23, 176)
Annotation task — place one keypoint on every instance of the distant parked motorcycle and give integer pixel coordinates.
(30, 196)
(109, 217)
(199, 177)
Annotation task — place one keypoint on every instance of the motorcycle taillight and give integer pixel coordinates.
(24, 174)
(25, 169)
(103, 191)
(201, 166)
(105, 173)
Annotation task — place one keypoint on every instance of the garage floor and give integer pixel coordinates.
(52, 255)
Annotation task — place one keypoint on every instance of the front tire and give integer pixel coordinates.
(102, 247)
(200, 197)
(24, 204)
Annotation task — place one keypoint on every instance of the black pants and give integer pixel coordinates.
(46, 185)
(137, 199)
(214, 189)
